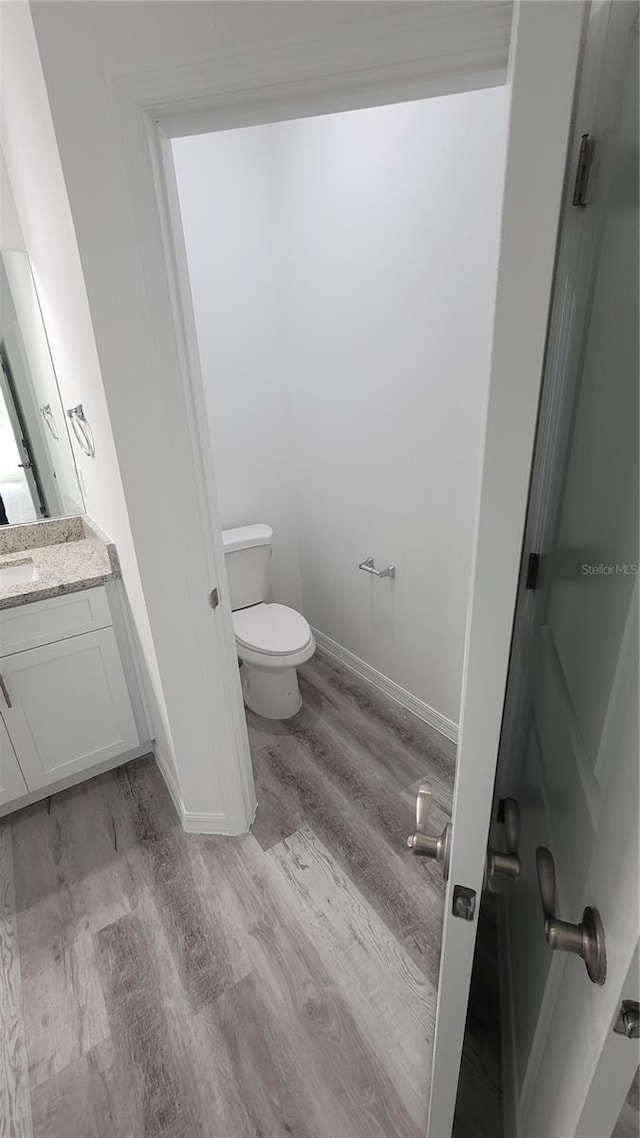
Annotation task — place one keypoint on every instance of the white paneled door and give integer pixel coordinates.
(542, 75)
(570, 744)
(574, 739)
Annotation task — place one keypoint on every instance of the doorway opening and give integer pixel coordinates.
(342, 271)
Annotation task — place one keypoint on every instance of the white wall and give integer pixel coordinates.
(35, 174)
(230, 208)
(10, 231)
(343, 274)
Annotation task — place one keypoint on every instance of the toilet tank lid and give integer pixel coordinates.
(246, 537)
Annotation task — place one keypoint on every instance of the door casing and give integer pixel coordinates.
(150, 109)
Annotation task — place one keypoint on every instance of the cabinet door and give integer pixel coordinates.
(70, 707)
(12, 784)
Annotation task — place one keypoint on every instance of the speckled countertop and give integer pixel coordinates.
(69, 554)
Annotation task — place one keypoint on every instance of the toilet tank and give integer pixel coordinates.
(247, 552)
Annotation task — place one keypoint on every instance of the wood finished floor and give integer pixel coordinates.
(156, 983)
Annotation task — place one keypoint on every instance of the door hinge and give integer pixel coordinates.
(214, 598)
(533, 571)
(581, 184)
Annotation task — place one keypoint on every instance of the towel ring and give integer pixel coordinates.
(47, 415)
(82, 430)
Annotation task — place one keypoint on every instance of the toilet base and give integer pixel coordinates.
(272, 693)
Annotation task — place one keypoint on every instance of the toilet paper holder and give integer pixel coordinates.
(368, 566)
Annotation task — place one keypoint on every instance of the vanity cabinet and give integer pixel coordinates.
(64, 695)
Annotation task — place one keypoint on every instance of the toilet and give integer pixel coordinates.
(271, 639)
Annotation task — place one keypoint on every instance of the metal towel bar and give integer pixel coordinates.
(82, 430)
(368, 566)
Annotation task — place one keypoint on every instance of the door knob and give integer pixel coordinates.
(430, 845)
(586, 939)
(506, 864)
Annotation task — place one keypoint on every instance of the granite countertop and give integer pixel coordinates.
(68, 554)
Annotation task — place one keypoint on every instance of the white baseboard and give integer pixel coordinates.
(167, 770)
(191, 822)
(204, 823)
(410, 702)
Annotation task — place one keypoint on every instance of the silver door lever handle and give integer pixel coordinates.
(368, 566)
(428, 845)
(586, 939)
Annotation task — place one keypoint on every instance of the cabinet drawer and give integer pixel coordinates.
(43, 622)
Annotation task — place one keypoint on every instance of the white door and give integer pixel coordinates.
(575, 770)
(66, 706)
(544, 59)
(12, 784)
(570, 749)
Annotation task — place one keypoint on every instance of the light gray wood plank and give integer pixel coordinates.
(278, 814)
(404, 744)
(94, 861)
(182, 985)
(392, 1002)
(51, 910)
(87, 1099)
(143, 809)
(64, 1009)
(370, 725)
(342, 755)
(267, 1090)
(150, 1026)
(207, 959)
(207, 953)
(15, 1103)
(297, 987)
(406, 891)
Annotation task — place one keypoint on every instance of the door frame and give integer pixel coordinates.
(391, 64)
(149, 109)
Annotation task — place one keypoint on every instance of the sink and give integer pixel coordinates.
(17, 573)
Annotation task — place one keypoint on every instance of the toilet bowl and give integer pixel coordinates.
(271, 639)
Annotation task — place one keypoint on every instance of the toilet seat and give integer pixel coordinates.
(272, 630)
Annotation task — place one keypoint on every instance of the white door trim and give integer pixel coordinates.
(457, 48)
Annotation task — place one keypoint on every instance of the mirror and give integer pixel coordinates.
(38, 475)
